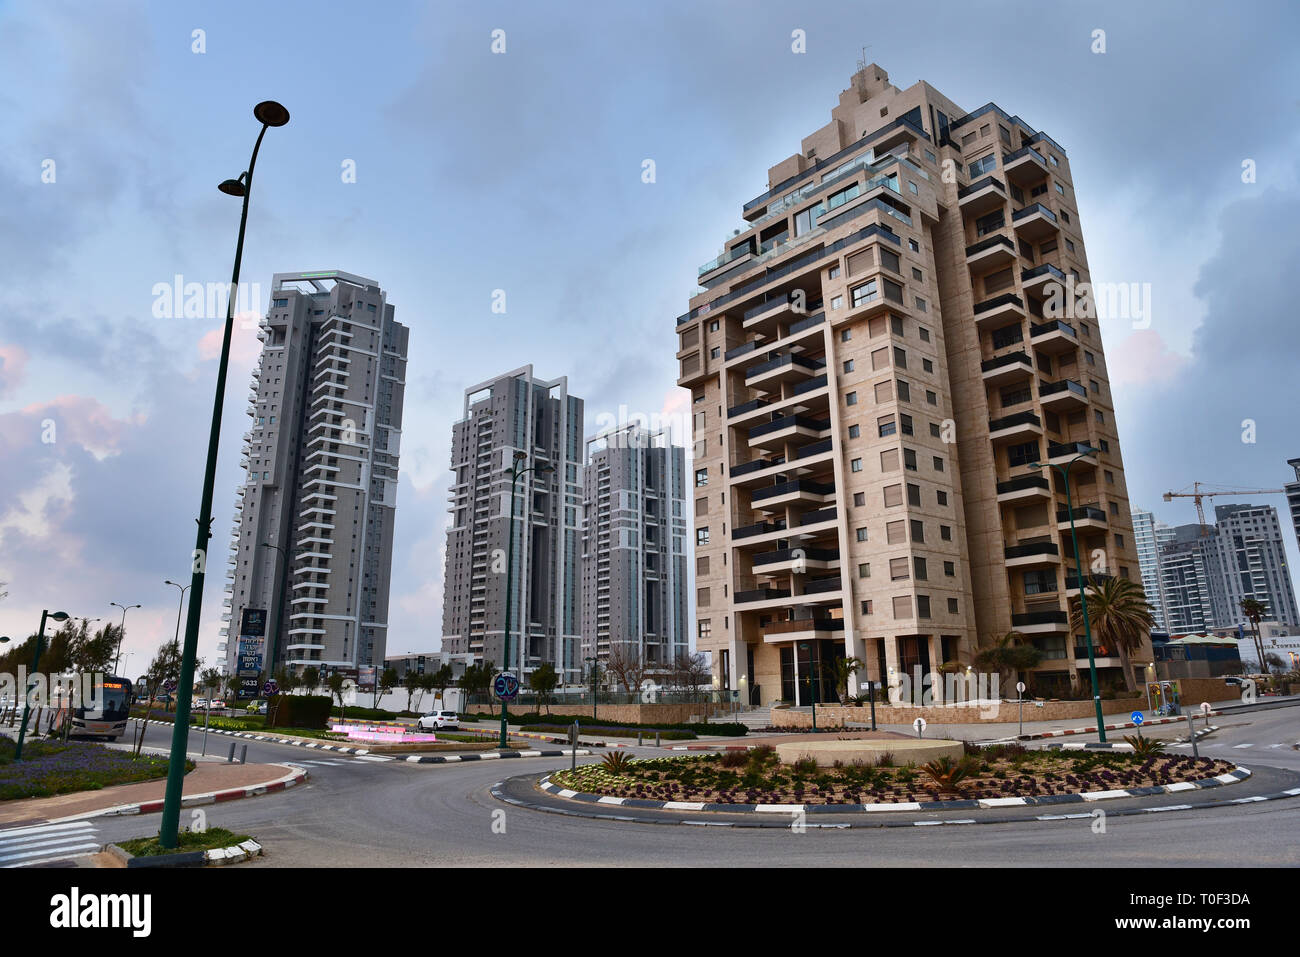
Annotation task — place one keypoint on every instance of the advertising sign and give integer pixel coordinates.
(248, 688)
(366, 678)
(250, 665)
(252, 621)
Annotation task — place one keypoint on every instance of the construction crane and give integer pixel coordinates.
(1204, 490)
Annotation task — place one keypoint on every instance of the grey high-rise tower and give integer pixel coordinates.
(634, 576)
(516, 412)
(1253, 559)
(1191, 580)
(311, 547)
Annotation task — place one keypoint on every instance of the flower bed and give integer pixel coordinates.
(997, 771)
(50, 767)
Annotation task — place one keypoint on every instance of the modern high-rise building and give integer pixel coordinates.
(634, 548)
(516, 417)
(1148, 535)
(1252, 557)
(877, 360)
(1192, 594)
(311, 548)
(1292, 490)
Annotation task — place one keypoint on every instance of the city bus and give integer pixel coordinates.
(113, 698)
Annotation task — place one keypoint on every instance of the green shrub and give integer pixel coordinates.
(302, 711)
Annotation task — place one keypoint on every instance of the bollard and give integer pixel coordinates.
(1191, 734)
(656, 739)
(638, 738)
(243, 755)
(231, 758)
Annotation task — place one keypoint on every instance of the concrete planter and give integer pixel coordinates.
(213, 858)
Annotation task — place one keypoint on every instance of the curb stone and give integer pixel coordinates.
(488, 756)
(1086, 797)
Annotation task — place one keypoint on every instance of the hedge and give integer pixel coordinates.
(532, 717)
(300, 711)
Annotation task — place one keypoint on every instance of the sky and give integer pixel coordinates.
(522, 171)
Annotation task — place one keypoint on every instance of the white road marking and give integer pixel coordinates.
(47, 842)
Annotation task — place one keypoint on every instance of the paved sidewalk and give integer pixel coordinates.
(208, 783)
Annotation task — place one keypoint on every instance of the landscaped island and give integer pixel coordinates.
(63, 767)
(992, 771)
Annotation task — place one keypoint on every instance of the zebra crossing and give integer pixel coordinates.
(1186, 745)
(338, 761)
(25, 846)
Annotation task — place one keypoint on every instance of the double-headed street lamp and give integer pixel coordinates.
(515, 472)
(121, 633)
(180, 603)
(268, 113)
(36, 664)
(1078, 577)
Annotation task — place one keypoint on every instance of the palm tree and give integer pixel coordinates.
(1120, 617)
(841, 670)
(1254, 611)
(1007, 654)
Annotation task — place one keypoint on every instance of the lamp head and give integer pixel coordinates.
(520, 455)
(234, 187)
(4, 638)
(1034, 465)
(60, 616)
(271, 113)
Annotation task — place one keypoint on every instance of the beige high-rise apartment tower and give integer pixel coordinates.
(877, 360)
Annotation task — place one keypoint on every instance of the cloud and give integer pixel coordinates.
(1143, 358)
(13, 367)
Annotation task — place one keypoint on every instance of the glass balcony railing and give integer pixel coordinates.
(758, 528)
(761, 594)
(1046, 328)
(1065, 385)
(729, 256)
(1030, 210)
(1057, 450)
(1047, 617)
(746, 407)
(789, 488)
(1019, 418)
(794, 554)
(818, 516)
(989, 243)
(1011, 358)
(996, 301)
(1031, 550)
(980, 184)
(1022, 482)
(789, 421)
(1082, 513)
(1046, 269)
(1033, 154)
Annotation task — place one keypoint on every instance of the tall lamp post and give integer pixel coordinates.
(279, 610)
(36, 664)
(179, 604)
(268, 113)
(515, 472)
(1078, 575)
(122, 633)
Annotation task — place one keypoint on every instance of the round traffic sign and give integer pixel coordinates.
(1205, 707)
(919, 725)
(506, 686)
(1020, 686)
(1137, 717)
(271, 688)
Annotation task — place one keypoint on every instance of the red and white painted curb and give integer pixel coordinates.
(1114, 727)
(292, 779)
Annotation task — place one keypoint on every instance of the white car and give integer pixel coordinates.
(200, 704)
(437, 720)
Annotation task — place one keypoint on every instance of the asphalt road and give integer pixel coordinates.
(352, 811)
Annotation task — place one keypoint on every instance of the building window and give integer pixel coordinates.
(837, 302)
(932, 398)
(702, 536)
(855, 465)
(941, 497)
(952, 606)
(864, 569)
(833, 272)
(851, 399)
(927, 365)
(846, 335)
(866, 607)
(704, 628)
(848, 365)
(949, 569)
(909, 460)
(913, 245)
(919, 569)
(714, 326)
(859, 499)
(924, 333)
(945, 532)
(898, 570)
(701, 477)
(938, 463)
(922, 606)
(862, 534)
(854, 431)
(918, 530)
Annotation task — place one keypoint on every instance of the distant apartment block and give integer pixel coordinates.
(634, 548)
(876, 359)
(1292, 490)
(516, 414)
(1149, 533)
(311, 547)
(1252, 557)
(1192, 592)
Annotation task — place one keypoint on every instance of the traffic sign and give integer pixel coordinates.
(1020, 687)
(271, 688)
(1205, 707)
(1137, 718)
(919, 725)
(506, 686)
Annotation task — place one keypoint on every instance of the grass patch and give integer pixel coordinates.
(56, 767)
(186, 842)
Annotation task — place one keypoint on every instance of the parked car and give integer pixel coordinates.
(437, 720)
(200, 704)
(217, 704)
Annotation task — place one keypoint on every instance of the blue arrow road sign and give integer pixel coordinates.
(1137, 717)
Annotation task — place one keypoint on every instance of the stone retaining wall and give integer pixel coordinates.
(835, 716)
(662, 713)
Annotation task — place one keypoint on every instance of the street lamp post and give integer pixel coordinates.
(1083, 591)
(122, 633)
(36, 664)
(279, 610)
(179, 605)
(515, 473)
(268, 113)
(593, 664)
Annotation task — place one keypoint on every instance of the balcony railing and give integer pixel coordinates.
(744, 468)
(1022, 482)
(996, 301)
(746, 407)
(794, 554)
(786, 421)
(989, 243)
(808, 323)
(1050, 617)
(820, 585)
(1031, 549)
(808, 385)
(980, 184)
(761, 594)
(791, 360)
(1019, 418)
(1033, 154)
(813, 448)
(742, 350)
(788, 488)
(1030, 210)
(1082, 513)
(1046, 328)
(803, 624)
(1011, 358)
(726, 257)
(1046, 269)
(1072, 581)
(1065, 385)
(759, 528)
(818, 516)
(1060, 449)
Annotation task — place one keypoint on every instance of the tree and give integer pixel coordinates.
(689, 671)
(1274, 663)
(385, 683)
(95, 654)
(842, 669)
(476, 680)
(442, 680)
(337, 685)
(1254, 611)
(543, 681)
(310, 678)
(1007, 654)
(411, 682)
(1120, 618)
(427, 683)
(166, 665)
(627, 665)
